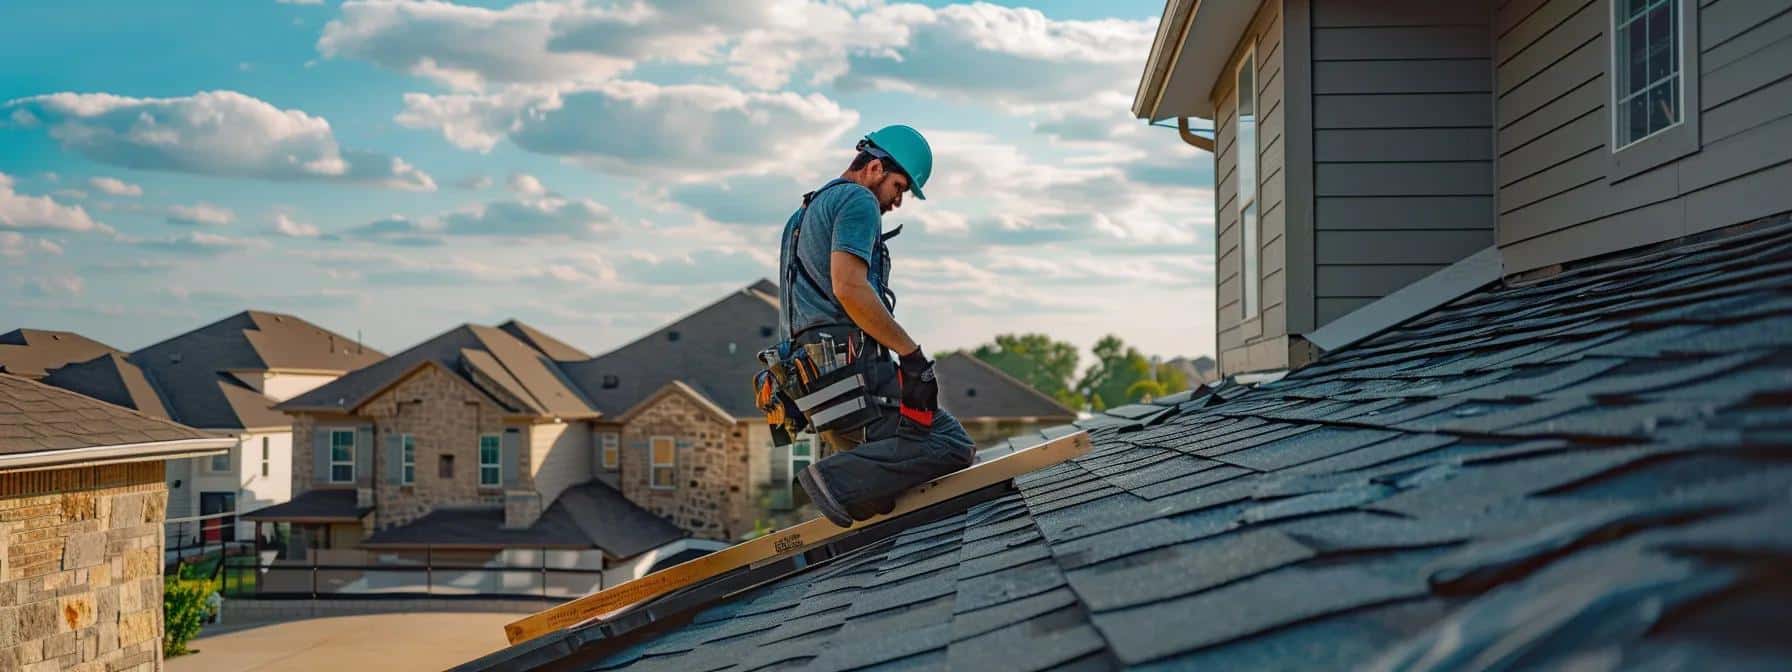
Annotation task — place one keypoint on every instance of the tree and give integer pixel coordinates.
(1037, 360)
(1122, 375)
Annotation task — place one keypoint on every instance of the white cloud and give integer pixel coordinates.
(113, 186)
(200, 214)
(525, 184)
(14, 245)
(639, 127)
(475, 182)
(220, 133)
(285, 225)
(70, 194)
(19, 211)
(53, 285)
(199, 243)
(545, 217)
(466, 47)
(300, 2)
(735, 266)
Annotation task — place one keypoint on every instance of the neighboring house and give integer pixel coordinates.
(994, 405)
(223, 378)
(473, 442)
(82, 500)
(1199, 370)
(1566, 449)
(34, 353)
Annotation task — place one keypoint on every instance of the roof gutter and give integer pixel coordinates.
(119, 454)
(1189, 136)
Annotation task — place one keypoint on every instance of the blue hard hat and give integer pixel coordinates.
(908, 150)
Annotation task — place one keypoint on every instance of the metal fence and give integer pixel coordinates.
(344, 574)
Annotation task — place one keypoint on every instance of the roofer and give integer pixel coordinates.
(837, 305)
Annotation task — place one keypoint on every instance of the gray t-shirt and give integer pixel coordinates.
(843, 216)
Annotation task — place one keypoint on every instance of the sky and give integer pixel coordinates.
(597, 168)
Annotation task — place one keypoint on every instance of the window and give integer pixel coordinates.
(219, 463)
(408, 458)
(612, 451)
(491, 472)
(342, 456)
(1646, 78)
(264, 456)
(802, 454)
(445, 467)
(665, 463)
(1246, 151)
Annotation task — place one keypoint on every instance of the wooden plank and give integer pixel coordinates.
(1426, 110)
(1575, 68)
(1343, 282)
(792, 540)
(1745, 74)
(1397, 42)
(1719, 55)
(1538, 24)
(1581, 100)
(1747, 112)
(1463, 75)
(1399, 247)
(1725, 21)
(1406, 212)
(1465, 178)
(1344, 13)
(1406, 144)
(1587, 24)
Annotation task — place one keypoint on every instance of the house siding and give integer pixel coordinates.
(711, 496)
(1559, 198)
(1235, 333)
(1402, 144)
(446, 418)
(560, 457)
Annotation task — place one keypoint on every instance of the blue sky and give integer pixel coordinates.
(594, 167)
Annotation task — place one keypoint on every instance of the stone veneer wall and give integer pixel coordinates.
(444, 423)
(81, 568)
(712, 497)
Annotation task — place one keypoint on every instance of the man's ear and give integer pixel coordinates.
(874, 170)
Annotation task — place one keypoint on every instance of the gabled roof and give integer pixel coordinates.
(514, 374)
(584, 516)
(554, 348)
(1586, 467)
(113, 379)
(33, 353)
(711, 350)
(44, 426)
(972, 388)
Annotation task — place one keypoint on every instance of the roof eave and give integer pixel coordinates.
(1177, 78)
(115, 454)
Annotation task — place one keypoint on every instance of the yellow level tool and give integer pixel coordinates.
(792, 540)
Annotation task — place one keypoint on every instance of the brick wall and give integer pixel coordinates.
(81, 568)
(712, 496)
(445, 417)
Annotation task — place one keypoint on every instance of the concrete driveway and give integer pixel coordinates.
(386, 642)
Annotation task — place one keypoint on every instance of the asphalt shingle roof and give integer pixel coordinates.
(314, 505)
(36, 417)
(1589, 467)
(971, 388)
(33, 353)
(588, 515)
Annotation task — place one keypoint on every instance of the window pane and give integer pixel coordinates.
(1251, 251)
(1246, 149)
(663, 451)
(488, 475)
(410, 474)
(1661, 106)
(1637, 114)
(341, 453)
(662, 477)
(1661, 21)
(488, 453)
(342, 472)
(800, 449)
(1636, 59)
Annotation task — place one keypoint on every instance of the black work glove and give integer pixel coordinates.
(920, 395)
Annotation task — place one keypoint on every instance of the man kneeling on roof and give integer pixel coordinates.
(837, 305)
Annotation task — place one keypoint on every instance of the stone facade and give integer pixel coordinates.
(711, 496)
(81, 571)
(444, 416)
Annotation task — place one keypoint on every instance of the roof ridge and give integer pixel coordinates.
(743, 291)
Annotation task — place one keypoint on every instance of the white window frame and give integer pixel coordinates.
(1250, 243)
(211, 462)
(1618, 98)
(610, 451)
(1677, 139)
(350, 462)
(407, 459)
(497, 463)
(655, 465)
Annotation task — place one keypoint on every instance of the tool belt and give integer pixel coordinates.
(822, 380)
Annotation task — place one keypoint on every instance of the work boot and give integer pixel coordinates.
(822, 497)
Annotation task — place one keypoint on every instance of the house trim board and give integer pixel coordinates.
(792, 540)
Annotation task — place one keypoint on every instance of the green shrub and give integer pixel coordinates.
(184, 609)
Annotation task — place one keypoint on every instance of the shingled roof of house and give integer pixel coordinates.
(41, 425)
(710, 350)
(971, 388)
(34, 353)
(1588, 467)
(511, 372)
(589, 515)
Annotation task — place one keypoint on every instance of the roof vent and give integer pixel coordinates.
(732, 348)
(611, 382)
(970, 391)
(671, 335)
(173, 358)
(765, 332)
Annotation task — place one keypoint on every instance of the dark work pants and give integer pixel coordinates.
(868, 467)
